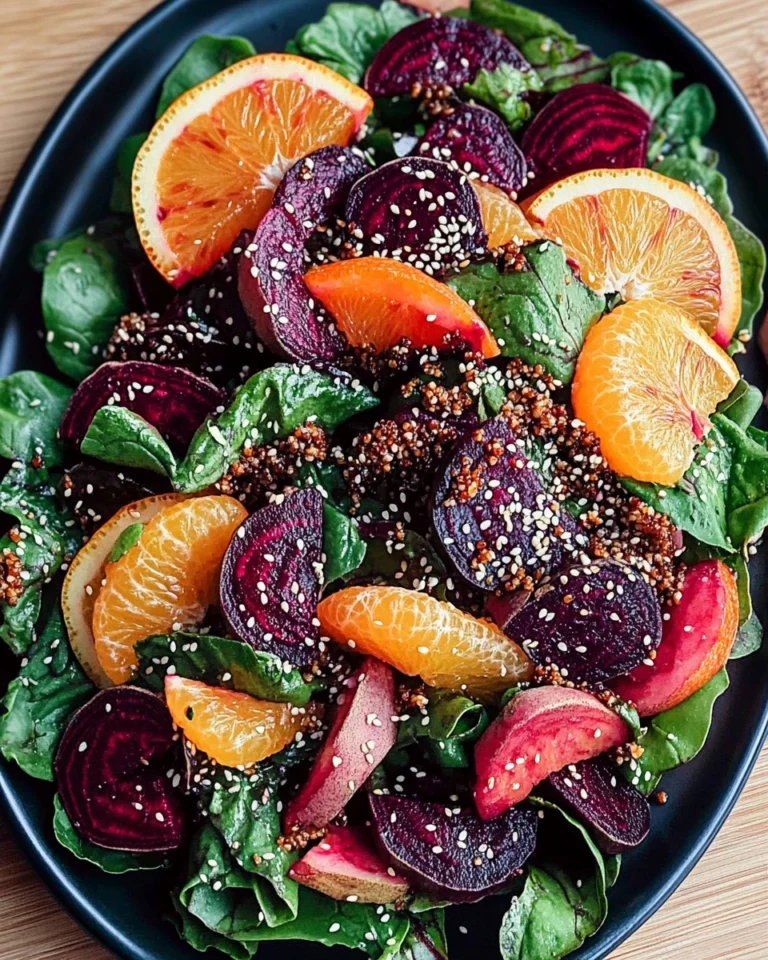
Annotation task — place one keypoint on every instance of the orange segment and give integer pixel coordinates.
(421, 636)
(378, 301)
(640, 234)
(503, 220)
(213, 160)
(170, 576)
(646, 381)
(232, 728)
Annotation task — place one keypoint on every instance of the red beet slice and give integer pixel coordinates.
(270, 578)
(438, 52)
(592, 622)
(539, 731)
(618, 816)
(345, 866)
(491, 513)
(275, 297)
(112, 771)
(96, 493)
(172, 399)
(417, 210)
(588, 126)
(457, 857)
(315, 188)
(476, 140)
(696, 642)
(361, 735)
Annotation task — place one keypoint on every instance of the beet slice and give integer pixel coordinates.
(491, 513)
(95, 493)
(275, 297)
(112, 772)
(270, 578)
(618, 816)
(592, 622)
(315, 188)
(438, 52)
(172, 399)
(458, 857)
(417, 210)
(476, 140)
(588, 126)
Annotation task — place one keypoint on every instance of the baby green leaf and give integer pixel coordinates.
(502, 90)
(202, 59)
(118, 435)
(648, 82)
(31, 407)
(343, 547)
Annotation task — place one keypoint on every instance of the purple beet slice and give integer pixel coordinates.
(593, 622)
(455, 857)
(618, 816)
(271, 577)
(95, 493)
(417, 210)
(438, 52)
(112, 772)
(588, 126)
(491, 513)
(476, 141)
(172, 399)
(275, 297)
(315, 188)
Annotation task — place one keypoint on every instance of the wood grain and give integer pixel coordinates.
(721, 911)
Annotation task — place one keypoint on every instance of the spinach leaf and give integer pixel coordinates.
(749, 248)
(349, 35)
(749, 639)
(110, 861)
(220, 662)
(450, 721)
(127, 539)
(343, 546)
(84, 295)
(675, 736)
(648, 82)
(199, 937)
(271, 404)
(50, 686)
(689, 117)
(120, 200)
(426, 937)
(31, 407)
(517, 23)
(202, 59)
(742, 404)
(118, 435)
(541, 314)
(747, 482)
(410, 561)
(503, 90)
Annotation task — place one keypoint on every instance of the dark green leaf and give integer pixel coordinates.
(50, 686)
(426, 937)
(747, 482)
(200, 938)
(127, 539)
(410, 561)
(31, 407)
(447, 716)
(502, 90)
(518, 23)
(742, 404)
(691, 114)
(562, 65)
(118, 435)
(541, 314)
(271, 404)
(202, 59)
(120, 200)
(84, 295)
(220, 662)
(749, 639)
(648, 82)
(342, 545)
(629, 715)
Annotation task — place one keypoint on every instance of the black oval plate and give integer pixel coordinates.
(66, 182)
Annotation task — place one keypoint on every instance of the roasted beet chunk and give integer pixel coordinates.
(315, 188)
(585, 127)
(592, 622)
(172, 399)
(477, 142)
(112, 771)
(270, 578)
(276, 298)
(618, 816)
(491, 513)
(417, 210)
(438, 52)
(457, 857)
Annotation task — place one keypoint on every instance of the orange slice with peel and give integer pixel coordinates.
(378, 301)
(234, 729)
(643, 235)
(646, 381)
(211, 163)
(503, 220)
(421, 636)
(171, 576)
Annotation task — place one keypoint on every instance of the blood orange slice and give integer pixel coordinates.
(212, 162)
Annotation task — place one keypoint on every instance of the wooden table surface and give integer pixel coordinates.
(721, 911)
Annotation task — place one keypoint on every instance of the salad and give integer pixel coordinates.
(383, 536)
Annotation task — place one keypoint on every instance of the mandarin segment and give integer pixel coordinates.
(421, 636)
(170, 576)
(646, 382)
(503, 220)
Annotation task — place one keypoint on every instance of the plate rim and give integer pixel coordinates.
(48, 868)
